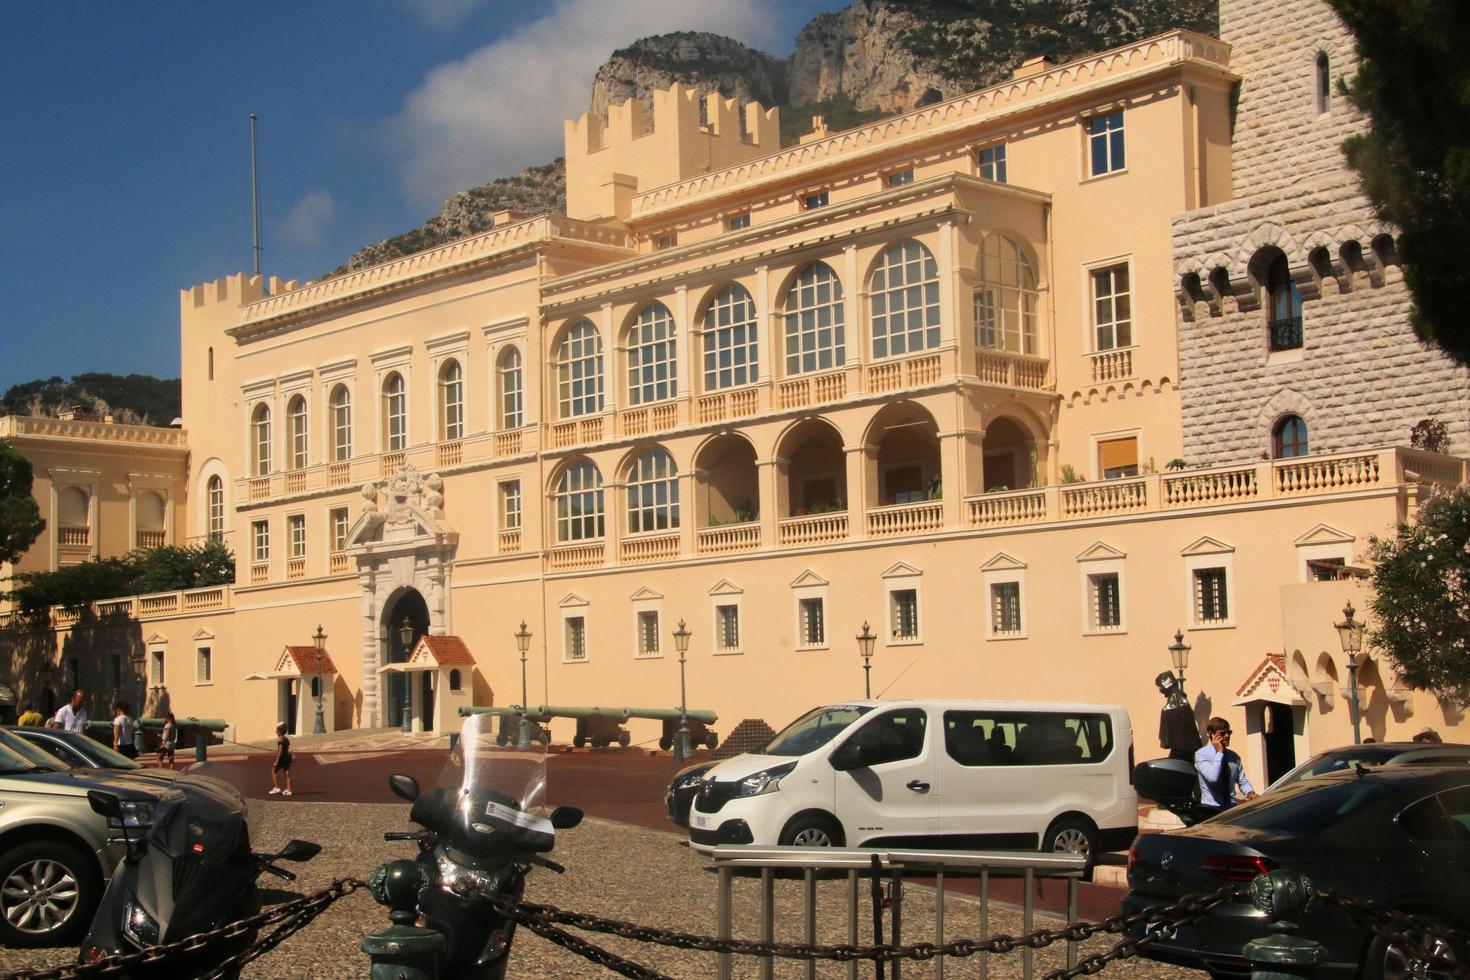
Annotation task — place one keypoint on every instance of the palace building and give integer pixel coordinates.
(1025, 381)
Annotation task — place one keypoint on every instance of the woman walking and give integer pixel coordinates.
(282, 766)
(168, 741)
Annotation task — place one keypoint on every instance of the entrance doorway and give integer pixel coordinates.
(1280, 738)
(426, 700)
(408, 606)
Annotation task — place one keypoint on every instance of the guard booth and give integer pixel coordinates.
(300, 674)
(439, 675)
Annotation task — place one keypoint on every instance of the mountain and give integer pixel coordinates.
(870, 59)
(135, 399)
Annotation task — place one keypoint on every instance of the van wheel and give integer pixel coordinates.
(1073, 835)
(48, 892)
(812, 830)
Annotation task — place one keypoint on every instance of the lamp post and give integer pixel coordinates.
(865, 640)
(1350, 634)
(319, 727)
(1179, 655)
(139, 660)
(681, 741)
(405, 637)
(523, 643)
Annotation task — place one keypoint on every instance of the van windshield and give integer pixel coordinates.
(815, 729)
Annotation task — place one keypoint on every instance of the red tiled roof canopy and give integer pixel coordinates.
(306, 659)
(1277, 660)
(450, 651)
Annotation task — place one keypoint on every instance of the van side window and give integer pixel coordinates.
(1026, 738)
(893, 737)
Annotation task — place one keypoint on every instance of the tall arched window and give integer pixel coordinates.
(395, 413)
(579, 503)
(451, 401)
(296, 432)
(260, 440)
(814, 327)
(579, 371)
(1324, 83)
(512, 389)
(903, 300)
(730, 351)
(1285, 306)
(1005, 302)
(215, 498)
(341, 402)
(73, 510)
(653, 493)
(652, 356)
(1289, 437)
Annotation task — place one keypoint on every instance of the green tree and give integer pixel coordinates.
(166, 569)
(20, 518)
(1413, 82)
(1421, 601)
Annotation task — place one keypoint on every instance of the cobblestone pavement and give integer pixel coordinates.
(614, 870)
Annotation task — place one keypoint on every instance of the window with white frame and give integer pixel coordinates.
(575, 637)
(156, 675)
(296, 433)
(812, 621)
(296, 535)
(579, 371)
(1104, 601)
(1005, 598)
(903, 300)
(1211, 598)
(1105, 149)
(341, 522)
(512, 389)
(814, 321)
(653, 493)
(510, 505)
(1210, 587)
(992, 160)
(727, 627)
(260, 537)
(260, 431)
(341, 402)
(898, 178)
(648, 633)
(652, 356)
(451, 401)
(813, 200)
(579, 513)
(215, 491)
(395, 413)
(1112, 310)
(114, 671)
(730, 339)
(1005, 301)
(1005, 608)
(736, 222)
(1323, 553)
(903, 614)
(204, 665)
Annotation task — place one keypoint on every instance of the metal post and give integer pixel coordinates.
(809, 917)
(523, 735)
(865, 641)
(319, 638)
(681, 741)
(403, 951)
(1353, 682)
(768, 919)
(201, 752)
(405, 634)
(1285, 896)
(722, 921)
(1028, 922)
(1350, 635)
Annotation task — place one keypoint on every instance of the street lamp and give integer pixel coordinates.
(1350, 634)
(405, 637)
(523, 643)
(1179, 654)
(866, 639)
(320, 639)
(681, 741)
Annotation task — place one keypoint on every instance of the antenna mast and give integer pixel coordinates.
(254, 197)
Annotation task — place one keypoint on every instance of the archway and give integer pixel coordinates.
(906, 454)
(1008, 464)
(407, 605)
(816, 474)
(728, 482)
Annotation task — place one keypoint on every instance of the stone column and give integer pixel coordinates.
(862, 488)
(773, 497)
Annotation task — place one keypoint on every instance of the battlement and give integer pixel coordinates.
(610, 160)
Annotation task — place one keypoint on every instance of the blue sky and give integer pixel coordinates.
(125, 175)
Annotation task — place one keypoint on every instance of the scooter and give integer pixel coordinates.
(1174, 785)
(192, 872)
(479, 840)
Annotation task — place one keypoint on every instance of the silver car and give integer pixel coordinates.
(1374, 754)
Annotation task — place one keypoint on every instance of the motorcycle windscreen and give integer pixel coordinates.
(498, 788)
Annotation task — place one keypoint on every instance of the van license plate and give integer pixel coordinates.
(701, 822)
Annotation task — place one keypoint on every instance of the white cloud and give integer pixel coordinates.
(500, 108)
(441, 14)
(306, 223)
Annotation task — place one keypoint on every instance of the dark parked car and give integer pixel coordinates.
(74, 749)
(682, 789)
(1399, 835)
(1378, 754)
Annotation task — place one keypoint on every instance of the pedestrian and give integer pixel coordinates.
(1428, 735)
(1220, 770)
(72, 717)
(281, 768)
(30, 716)
(122, 730)
(168, 741)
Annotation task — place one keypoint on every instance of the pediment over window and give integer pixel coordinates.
(807, 578)
(1208, 546)
(645, 594)
(1100, 551)
(901, 569)
(1003, 562)
(1325, 534)
(203, 635)
(572, 599)
(157, 639)
(726, 587)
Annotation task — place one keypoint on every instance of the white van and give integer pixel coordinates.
(1013, 775)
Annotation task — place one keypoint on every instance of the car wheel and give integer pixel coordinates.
(48, 892)
(812, 830)
(1072, 835)
(1387, 960)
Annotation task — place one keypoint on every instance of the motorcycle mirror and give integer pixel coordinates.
(299, 850)
(404, 786)
(565, 817)
(104, 803)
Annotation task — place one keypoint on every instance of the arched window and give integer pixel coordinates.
(652, 357)
(579, 371)
(151, 511)
(512, 389)
(296, 432)
(260, 441)
(1289, 437)
(215, 497)
(653, 493)
(341, 403)
(455, 683)
(73, 508)
(814, 327)
(579, 503)
(451, 401)
(1324, 83)
(395, 413)
(730, 352)
(904, 300)
(1285, 306)
(1005, 302)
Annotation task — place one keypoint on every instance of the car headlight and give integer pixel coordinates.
(138, 925)
(692, 780)
(765, 781)
(137, 813)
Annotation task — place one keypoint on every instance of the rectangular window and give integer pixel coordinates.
(510, 505)
(1027, 738)
(898, 178)
(1112, 309)
(155, 660)
(73, 673)
(260, 536)
(1105, 144)
(992, 161)
(816, 199)
(727, 623)
(903, 614)
(576, 637)
(1117, 457)
(1209, 596)
(736, 222)
(114, 671)
(340, 526)
(1005, 608)
(1325, 569)
(296, 535)
(1105, 612)
(667, 240)
(205, 668)
(813, 622)
(648, 633)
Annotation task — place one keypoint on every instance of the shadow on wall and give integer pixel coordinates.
(104, 650)
(481, 694)
(26, 648)
(1204, 710)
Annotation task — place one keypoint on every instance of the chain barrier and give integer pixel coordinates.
(1408, 933)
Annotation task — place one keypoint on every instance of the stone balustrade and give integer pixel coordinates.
(728, 539)
(922, 517)
(643, 548)
(574, 557)
(794, 532)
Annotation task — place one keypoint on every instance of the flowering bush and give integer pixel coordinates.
(1420, 580)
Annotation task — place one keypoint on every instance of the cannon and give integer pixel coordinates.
(598, 727)
(601, 727)
(508, 728)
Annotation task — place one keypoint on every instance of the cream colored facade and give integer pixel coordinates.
(922, 374)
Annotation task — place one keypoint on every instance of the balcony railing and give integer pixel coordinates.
(572, 557)
(337, 563)
(74, 536)
(388, 463)
(339, 474)
(152, 539)
(1112, 365)
(295, 481)
(260, 571)
(577, 432)
(652, 418)
(995, 367)
(507, 443)
(1107, 497)
(449, 453)
(729, 539)
(260, 488)
(1007, 508)
(812, 389)
(916, 518)
(510, 541)
(911, 372)
(644, 548)
(794, 532)
(1303, 475)
(295, 568)
(723, 405)
(157, 604)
